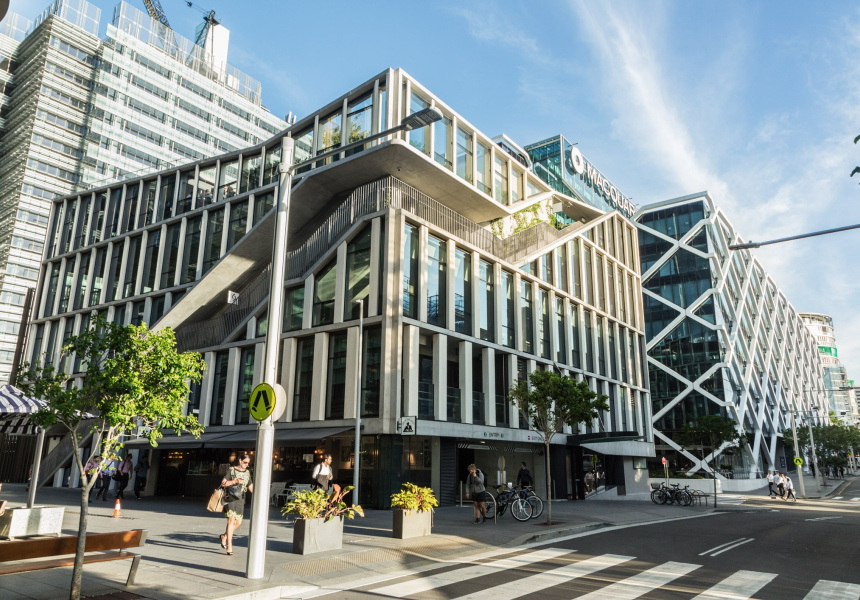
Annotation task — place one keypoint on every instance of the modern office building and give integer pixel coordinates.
(453, 313)
(836, 382)
(77, 109)
(722, 339)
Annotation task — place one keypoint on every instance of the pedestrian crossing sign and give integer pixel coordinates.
(262, 403)
(798, 461)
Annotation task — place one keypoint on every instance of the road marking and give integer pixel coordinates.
(834, 590)
(730, 547)
(720, 546)
(855, 499)
(641, 584)
(416, 586)
(740, 586)
(823, 518)
(837, 498)
(548, 579)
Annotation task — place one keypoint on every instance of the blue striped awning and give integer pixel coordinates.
(15, 410)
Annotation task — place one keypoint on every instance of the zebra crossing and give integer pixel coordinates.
(460, 580)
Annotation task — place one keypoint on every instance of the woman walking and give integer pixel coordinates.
(789, 489)
(124, 471)
(235, 483)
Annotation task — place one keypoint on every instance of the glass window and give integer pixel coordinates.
(83, 221)
(165, 197)
(436, 259)
(410, 271)
(304, 151)
(150, 257)
(622, 297)
(527, 317)
(261, 325)
(304, 380)
(171, 254)
(588, 349)
(250, 178)
(130, 210)
(359, 121)
(147, 206)
(262, 205)
(516, 186)
(205, 186)
(561, 331)
(577, 274)
(419, 138)
(630, 251)
(500, 179)
(137, 313)
(464, 155)
(633, 312)
(157, 310)
(610, 280)
(574, 336)
(613, 361)
(601, 353)
(194, 396)
(186, 192)
(586, 279)
(246, 385)
(214, 233)
(98, 218)
(462, 291)
(482, 168)
(219, 389)
(622, 343)
(68, 223)
(228, 181)
(601, 291)
(371, 378)
(487, 300)
(324, 292)
(133, 259)
(238, 222)
(443, 144)
(68, 280)
(273, 161)
(561, 266)
(336, 376)
(357, 274)
(601, 238)
(329, 129)
(191, 250)
(544, 331)
(294, 308)
(98, 277)
(113, 274)
(545, 268)
(113, 212)
(82, 283)
(509, 307)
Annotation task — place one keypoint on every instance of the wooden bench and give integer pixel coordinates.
(100, 547)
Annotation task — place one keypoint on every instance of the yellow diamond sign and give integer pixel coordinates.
(262, 403)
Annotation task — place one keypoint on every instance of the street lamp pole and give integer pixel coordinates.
(815, 468)
(355, 499)
(797, 453)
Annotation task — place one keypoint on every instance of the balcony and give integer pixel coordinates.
(453, 396)
(502, 411)
(478, 408)
(425, 400)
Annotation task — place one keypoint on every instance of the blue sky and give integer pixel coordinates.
(755, 102)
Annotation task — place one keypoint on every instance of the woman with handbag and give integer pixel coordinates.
(235, 483)
(322, 473)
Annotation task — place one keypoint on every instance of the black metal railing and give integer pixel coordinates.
(478, 408)
(502, 412)
(425, 400)
(453, 396)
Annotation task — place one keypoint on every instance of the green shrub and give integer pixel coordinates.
(411, 497)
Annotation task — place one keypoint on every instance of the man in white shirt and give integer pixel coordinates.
(770, 491)
(322, 473)
(780, 484)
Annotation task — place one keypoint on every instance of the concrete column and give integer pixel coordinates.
(553, 333)
(440, 376)
(288, 376)
(374, 301)
(138, 280)
(518, 312)
(498, 302)
(320, 373)
(423, 252)
(450, 278)
(465, 358)
(354, 355)
(488, 375)
(411, 373)
(476, 303)
(391, 308)
(204, 228)
(180, 252)
(340, 283)
(206, 388)
(160, 258)
(568, 333)
(536, 320)
(234, 367)
(307, 310)
(512, 377)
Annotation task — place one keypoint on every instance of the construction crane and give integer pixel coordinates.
(153, 7)
(203, 29)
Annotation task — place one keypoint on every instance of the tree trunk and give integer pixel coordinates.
(78, 569)
(548, 489)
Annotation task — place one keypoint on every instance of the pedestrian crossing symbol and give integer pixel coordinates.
(262, 402)
(408, 425)
(798, 461)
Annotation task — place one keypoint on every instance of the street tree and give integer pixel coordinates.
(131, 378)
(549, 401)
(710, 435)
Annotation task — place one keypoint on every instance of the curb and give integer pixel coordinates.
(534, 538)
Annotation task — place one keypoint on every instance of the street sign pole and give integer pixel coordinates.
(266, 432)
(796, 456)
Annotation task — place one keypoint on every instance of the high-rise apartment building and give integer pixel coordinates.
(836, 382)
(78, 110)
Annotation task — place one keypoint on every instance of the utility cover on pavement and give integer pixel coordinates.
(798, 461)
(262, 402)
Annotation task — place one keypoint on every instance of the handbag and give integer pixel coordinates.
(322, 481)
(116, 477)
(214, 504)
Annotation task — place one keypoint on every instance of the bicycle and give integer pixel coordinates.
(528, 493)
(521, 509)
(672, 495)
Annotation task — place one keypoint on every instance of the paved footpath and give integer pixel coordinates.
(182, 557)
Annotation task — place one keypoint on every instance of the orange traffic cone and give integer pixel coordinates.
(117, 512)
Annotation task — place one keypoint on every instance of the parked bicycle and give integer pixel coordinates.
(528, 493)
(672, 495)
(521, 509)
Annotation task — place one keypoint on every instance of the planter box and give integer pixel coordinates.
(39, 520)
(411, 523)
(315, 535)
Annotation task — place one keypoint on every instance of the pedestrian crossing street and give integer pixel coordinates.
(493, 579)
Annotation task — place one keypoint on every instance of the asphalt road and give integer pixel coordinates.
(776, 550)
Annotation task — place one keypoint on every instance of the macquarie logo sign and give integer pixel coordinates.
(599, 183)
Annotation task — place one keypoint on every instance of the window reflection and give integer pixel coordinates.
(228, 180)
(359, 121)
(419, 138)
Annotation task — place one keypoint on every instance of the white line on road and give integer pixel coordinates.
(855, 499)
(416, 586)
(548, 579)
(834, 590)
(641, 584)
(720, 546)
(730, 547)
(837, 498)
(823, 518)
(740, 586)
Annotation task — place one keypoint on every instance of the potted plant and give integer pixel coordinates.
(413, 511)
(319, 519)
